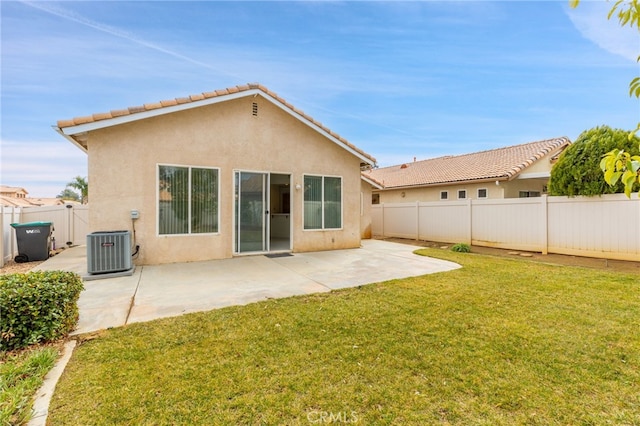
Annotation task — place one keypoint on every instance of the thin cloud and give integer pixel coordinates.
(590, 19)
(117, 32)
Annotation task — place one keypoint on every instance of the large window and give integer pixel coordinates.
(187, 200)
(322, 202)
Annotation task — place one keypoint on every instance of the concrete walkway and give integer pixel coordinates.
(170, 290)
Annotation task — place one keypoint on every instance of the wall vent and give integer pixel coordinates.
(254, 109)
(108, 252)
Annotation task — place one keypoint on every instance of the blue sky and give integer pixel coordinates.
(397, 79)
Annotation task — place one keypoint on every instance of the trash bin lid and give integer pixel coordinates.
(30, 224)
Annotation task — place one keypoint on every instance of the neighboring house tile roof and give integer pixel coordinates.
(13, 191)
(195, 99)
(496, 164)
(32, 202)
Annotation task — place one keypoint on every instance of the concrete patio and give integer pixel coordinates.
(160, 291)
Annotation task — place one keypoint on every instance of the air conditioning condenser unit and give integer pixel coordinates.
(109, 252)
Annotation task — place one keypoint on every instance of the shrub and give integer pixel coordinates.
(37, 307)
(577, 171)
(461, 248)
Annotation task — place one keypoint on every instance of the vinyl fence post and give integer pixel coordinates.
(545, 223)
(14, 219)
(417, 220)
(1, 236)
(470, 226)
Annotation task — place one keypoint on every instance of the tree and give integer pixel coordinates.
(69, 194)
(618, 165)
(80, 184)
(577, 171)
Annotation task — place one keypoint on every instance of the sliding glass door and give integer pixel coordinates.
(251, 212)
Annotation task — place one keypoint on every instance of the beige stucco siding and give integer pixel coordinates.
(503, 190)
(123, 163)
(432, 193)
(365, 212)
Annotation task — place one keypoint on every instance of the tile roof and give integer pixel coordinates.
(131, 111)
(32, 202)
(496, 164)
(4, 189)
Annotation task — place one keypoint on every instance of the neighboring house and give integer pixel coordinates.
(11, 196)
(13, 192)
(218, 174)
(510, 172)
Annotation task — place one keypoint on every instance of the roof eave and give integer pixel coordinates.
(371, 182)
(366, 159)
(70, 138)
(460, 182)
(128, 118)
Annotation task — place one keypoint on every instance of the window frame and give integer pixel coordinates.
(486, 193)
(529, 194)
(462, 191)
(189, 233)
(444, 195)
(322, 203)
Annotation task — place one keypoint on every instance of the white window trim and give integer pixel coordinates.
(304, 175)
(189, 234)
(486, 191)
(443, 193)
(465, 194)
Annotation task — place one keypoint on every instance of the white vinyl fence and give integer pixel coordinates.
(602, 227)
(70, 225)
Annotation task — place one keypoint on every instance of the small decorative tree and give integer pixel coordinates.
(578, 170)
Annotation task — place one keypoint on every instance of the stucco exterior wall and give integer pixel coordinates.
(365, 212)
(503, 190)
(433, 193)
(123, 164)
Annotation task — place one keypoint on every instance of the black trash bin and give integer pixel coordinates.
(34, 241)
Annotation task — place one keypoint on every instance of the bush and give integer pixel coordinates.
(577, 171)
(37, 307)
(461, 248)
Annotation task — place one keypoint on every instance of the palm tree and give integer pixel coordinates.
(79, 183)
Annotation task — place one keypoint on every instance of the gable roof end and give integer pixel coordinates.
(76, 128)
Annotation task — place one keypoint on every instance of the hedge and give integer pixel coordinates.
(37, 307)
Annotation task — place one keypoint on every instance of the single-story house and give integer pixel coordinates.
(510, 172)
(220, 174)
(13, 196)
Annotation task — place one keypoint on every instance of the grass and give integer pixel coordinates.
(21, 375)
(496, 342)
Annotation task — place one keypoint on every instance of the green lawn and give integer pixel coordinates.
(500, 341)
(21, 375)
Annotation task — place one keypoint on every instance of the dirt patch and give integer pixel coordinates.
(560, 259)
(12, 267)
